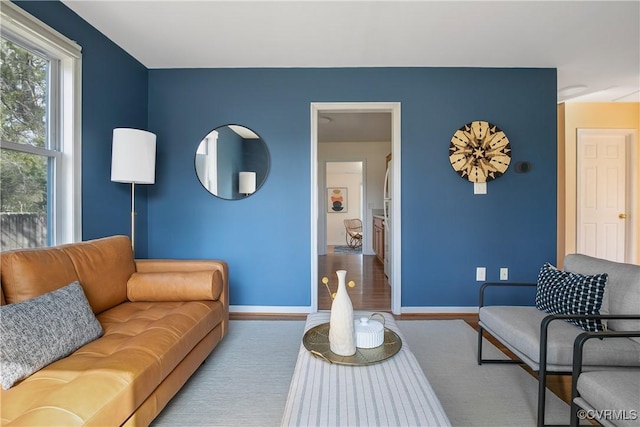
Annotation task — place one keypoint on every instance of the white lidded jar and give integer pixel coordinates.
(369, 333)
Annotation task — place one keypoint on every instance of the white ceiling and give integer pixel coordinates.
(354, 127)
(348, 168)
(591, 43)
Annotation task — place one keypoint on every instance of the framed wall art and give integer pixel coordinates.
(337, 199)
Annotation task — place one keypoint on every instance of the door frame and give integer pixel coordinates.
(396, 270)
(632, 161)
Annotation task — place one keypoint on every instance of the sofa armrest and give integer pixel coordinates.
(502, 285)
(175, 265)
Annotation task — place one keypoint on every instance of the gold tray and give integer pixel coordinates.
(316, 340)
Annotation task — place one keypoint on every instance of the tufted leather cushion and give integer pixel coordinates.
(105, 381)
(175, 286)
(166, 265)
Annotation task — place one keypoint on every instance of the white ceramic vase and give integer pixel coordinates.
(342, 337)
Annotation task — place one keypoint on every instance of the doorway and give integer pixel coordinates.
(606, 198)
(323, 112)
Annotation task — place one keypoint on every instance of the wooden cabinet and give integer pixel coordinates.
(378, 237)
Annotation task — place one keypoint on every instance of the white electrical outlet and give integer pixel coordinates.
(504, 273)
(481, 274)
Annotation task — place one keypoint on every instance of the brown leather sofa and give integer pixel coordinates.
(161, 319)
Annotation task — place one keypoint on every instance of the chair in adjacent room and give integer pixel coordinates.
(354, 232)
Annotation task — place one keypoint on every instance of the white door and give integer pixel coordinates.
(602, 192)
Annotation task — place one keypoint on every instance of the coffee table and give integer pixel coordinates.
(394, 392)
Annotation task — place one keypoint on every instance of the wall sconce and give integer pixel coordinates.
(133, 160)
(247, 183)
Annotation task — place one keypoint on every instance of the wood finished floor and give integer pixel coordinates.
(372, 292)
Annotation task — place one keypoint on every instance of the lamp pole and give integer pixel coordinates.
(133, 217)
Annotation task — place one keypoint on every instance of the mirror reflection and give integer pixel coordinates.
(232, 162)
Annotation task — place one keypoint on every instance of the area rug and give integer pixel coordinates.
(245, 381)
(472, 395)
(347, 250)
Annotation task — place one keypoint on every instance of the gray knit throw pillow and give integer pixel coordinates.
(39, 331)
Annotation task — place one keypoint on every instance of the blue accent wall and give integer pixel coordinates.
(447, 231)
(114, 94)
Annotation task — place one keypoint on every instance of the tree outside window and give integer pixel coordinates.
(23, 124)
(40, 133)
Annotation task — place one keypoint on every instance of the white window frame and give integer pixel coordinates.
(66, 214)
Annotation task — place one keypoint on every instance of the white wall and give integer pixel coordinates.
(336, 233)
(373, 154)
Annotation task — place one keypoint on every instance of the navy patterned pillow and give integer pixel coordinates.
(563, 292)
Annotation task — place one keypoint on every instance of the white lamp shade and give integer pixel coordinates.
(247, 182)
(133, 156)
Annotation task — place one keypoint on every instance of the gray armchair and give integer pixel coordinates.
(611, 397)
(544, 342)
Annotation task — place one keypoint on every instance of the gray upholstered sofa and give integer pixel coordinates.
(545, 342)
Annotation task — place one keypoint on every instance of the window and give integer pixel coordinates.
(40, 199)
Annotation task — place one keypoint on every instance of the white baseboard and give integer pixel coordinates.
(436, 310)
(278, 309)
(269, 309)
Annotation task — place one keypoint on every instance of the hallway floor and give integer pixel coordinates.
(372, 292)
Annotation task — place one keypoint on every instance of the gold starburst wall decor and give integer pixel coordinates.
(480, 151)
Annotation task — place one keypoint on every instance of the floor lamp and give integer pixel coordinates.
(133, 160)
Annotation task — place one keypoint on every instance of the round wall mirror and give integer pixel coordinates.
(232, 162)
